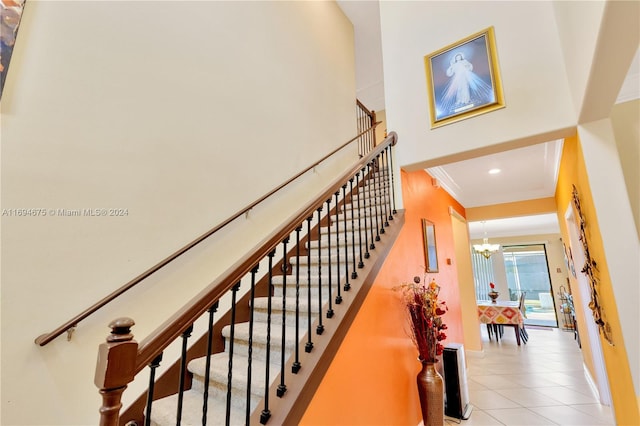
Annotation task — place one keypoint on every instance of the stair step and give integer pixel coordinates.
(361, 215)
(278, 280)
(259, 341)
(304, 286)
(261, 310)
(324, 241)
(315, 259)
(362, 210)
(262, 304)
(164, 411)
(218, 378)
(365, 198)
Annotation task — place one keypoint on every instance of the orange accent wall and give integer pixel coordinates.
(573, 171)
(372, 379)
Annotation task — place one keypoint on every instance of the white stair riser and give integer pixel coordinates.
(218, 390)
(290, 319)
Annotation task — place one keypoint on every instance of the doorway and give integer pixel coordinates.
(601, 378)
(527, 272)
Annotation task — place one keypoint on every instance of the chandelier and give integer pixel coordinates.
(485, 248)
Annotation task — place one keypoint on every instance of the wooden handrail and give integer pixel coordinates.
(166, 333)
(371, 114)
(73, 322)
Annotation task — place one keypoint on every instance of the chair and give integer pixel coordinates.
(523, 332)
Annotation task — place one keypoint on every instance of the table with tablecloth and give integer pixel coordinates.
(501, 313)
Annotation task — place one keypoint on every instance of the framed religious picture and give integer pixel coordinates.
(463, 79)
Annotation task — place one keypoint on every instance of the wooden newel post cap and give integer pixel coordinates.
(116, 363)
(121, 330)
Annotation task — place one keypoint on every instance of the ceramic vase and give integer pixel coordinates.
(431, 393)
(494, 296)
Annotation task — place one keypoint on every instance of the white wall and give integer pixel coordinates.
(576, 21)
(538, 101)
(179, 112)
(626, 126)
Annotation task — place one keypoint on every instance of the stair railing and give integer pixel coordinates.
(365, 120)
(70, 325)
(120, 358)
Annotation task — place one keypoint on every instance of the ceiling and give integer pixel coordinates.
(525, 173)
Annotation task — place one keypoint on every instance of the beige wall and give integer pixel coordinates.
(381, 130)
(180, 113)
(464, 268)
(625, 119)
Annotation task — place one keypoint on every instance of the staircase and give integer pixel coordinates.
(340, 242)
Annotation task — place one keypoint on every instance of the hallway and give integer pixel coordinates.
(540, 383)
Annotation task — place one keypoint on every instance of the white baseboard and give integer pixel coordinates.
(475, 354)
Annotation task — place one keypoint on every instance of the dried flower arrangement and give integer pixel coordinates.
(424, 312)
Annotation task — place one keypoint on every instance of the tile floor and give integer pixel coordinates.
(540, 383)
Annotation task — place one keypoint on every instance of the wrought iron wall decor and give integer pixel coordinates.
(590, 269)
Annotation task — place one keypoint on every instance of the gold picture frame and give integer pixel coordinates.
(463, 79)
(11, 16)
(430, 247)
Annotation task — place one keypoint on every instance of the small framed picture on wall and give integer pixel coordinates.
(430, 248)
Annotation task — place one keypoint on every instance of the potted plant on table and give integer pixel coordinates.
(493, 294)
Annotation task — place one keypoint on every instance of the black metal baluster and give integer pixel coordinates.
(372, 202)
(319, 327)
(381, 199)
(207, 373)
(330, 311)
(252, 309)
(266, 413)
(282, 388)
(392, 188)
(338, 297)
(183, 367)
(363, 212)
(354, 273)
(296, 364)
(234, 293)
(309, 346)
(379, 189)
(384, 180)
(387, 198)
(361, 263)
(347, 285)
(153, 365)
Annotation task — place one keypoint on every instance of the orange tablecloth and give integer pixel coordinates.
(500, 312)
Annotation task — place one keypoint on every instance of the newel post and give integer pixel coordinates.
(115, 369)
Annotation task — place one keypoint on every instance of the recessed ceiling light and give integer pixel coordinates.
(494, 171)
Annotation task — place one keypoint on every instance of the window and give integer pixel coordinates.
(527, 271)
(483, 275)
